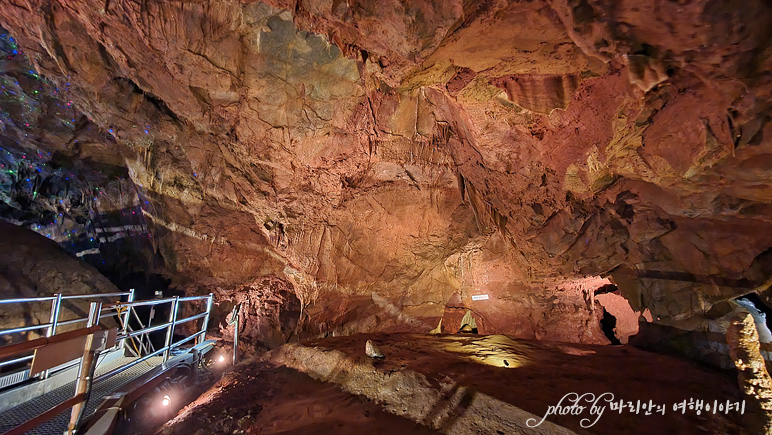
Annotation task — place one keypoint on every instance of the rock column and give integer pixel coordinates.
(752, 375)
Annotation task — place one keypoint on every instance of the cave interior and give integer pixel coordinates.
(513, 200)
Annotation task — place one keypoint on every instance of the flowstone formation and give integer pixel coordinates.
(382, 163)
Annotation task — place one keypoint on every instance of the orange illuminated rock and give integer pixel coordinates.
(386, 161)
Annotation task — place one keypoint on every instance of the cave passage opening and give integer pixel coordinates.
(608, 325)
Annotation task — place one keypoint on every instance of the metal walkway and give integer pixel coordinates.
(56, 377)
(28, 410)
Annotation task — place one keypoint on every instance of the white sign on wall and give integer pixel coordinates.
(479, 297)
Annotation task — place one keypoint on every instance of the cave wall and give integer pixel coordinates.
(64, 177)
(388, 160)
(32, 265)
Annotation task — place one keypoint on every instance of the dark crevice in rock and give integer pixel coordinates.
(607, 288)
(155, 101)
(608, 325)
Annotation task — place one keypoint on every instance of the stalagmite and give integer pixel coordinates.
(372, 350)
(752, 374)
(468, 324)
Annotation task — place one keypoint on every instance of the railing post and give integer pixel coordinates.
(235, 321)
(205, 325)
(126, 318)
(85, 370)
(53, 320)
(170, 328)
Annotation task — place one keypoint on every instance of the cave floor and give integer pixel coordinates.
(261, 398)
(455, 384)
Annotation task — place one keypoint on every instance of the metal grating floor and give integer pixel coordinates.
(24, 412)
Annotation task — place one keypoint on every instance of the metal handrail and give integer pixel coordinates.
(26, 300)
(147, 330)
(191, 318)
(51, 298)
(24, 329)
(18, 360)
(85, 378)
(155, 328)
(173, 321)
(193, 298)
(53, 322)
(187, 339)
(169, 326)
(47, 325)
(54, 298)
(147, 303)
(170, 331)
(70, 322)
(96, 295)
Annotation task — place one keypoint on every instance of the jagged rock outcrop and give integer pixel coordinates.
(390, 160)
(268, 314)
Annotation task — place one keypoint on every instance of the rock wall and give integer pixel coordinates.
(388, 160)
(33, 266)
(64, 177)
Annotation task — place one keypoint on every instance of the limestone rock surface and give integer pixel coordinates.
(387, 161)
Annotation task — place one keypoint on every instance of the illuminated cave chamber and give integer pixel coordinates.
(516, 183)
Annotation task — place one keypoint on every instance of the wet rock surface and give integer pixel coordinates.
(471, 384)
